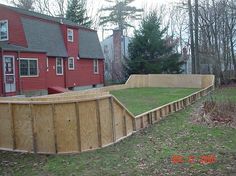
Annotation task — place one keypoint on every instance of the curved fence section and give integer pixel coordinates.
(63, 126)
(74, 122)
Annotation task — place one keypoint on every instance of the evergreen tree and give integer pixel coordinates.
(150, 52)
(76, 12)
(120, 13)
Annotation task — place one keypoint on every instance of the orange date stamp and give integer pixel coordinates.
(204, 159)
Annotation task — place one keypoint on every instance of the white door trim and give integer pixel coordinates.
(9, 88)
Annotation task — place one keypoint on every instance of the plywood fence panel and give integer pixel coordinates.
(106, 122)
(65, 128)
(129, 123)
(189, 81)
(145, 121)
(88, 125)
(207, 80)
(44, 128)
(119, 119)
(138, 123)
(6, 128)
(23, 127)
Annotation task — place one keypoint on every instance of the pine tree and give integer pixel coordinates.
(76, 12)
(150, 52)
(119, 14)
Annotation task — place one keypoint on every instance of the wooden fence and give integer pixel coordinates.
(74, 122)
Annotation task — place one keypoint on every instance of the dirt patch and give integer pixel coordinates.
(212, 113)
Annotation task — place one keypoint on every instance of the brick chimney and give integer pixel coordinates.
(117, 71)
(117, 45)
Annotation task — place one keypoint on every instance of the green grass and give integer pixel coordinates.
(147, 152)
(140, 100)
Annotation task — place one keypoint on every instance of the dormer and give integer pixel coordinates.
(70, 35)
(4, 34)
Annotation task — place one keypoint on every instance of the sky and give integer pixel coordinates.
(94, 5)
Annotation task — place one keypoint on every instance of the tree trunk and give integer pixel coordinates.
(191, 36)
(197, 58)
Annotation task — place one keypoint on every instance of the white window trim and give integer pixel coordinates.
(31, 76)
(72, 31)
(7, 31)
(94, 62)
(73, 63)
(59, 74)
(47, 64)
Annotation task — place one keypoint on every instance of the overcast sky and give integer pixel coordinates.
(97, 4)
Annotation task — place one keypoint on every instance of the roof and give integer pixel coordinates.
(89, 45)
(44, 36)
(10, 47)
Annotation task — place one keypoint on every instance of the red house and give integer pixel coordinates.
(39, 51)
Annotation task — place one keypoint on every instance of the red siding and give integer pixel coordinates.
(82, 75)
(86, 74)
(52, 78)
(34, 83)
(16, 32)
(29, 83)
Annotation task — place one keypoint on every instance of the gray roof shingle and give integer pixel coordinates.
(89, 45)
(10, 47)
(45, 36)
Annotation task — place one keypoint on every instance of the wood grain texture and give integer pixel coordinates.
(6, 127)
(88, 125)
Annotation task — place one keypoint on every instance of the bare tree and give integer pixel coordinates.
(24, 4)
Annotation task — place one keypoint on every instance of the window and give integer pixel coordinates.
(3, 30)
(28, 67)
(95, 66)
(71, 63)
(59, 66)
(47, 64)
(70, 35)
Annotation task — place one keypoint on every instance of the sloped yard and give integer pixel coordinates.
(140, 100)
(148, 152)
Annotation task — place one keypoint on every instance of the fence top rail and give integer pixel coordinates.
(181, 99)
(56, 102)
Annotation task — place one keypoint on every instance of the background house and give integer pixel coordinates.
(39, 51)
(115, 50)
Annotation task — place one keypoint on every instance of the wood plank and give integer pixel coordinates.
(124, 123)
(78, 126)
(23, 127)
(33, 128)
(44, 129)
(88, 125)
(113, 119)
(98, 124)
(7, 135)
(119, 120)
(66, 128)
(106, 122)
(54, 127)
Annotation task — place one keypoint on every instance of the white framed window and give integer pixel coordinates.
(71, 63)
(70, 35)
(4, 35)
(59, 66)
(95, 66)
(29, 67)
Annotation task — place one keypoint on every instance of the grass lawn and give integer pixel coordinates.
(147, 152)
(140, 100)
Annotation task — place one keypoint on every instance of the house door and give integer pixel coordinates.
(9, 74)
